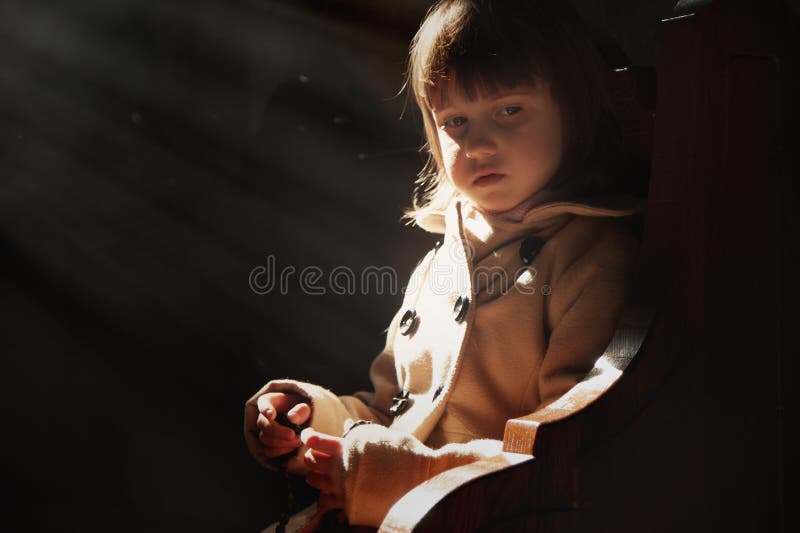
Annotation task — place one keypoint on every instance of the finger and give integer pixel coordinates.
(310, 461)
(299, 413)
(321, 441)
(250, 415)
(254, 445)
(328, 500)
(281, 446)
(251, 426)
(319, 481)
(283, 401)
(319, 461)
(267, 438)
(266, 407)
(251, 432)
(276, 431)
(279, 431)
(275, 451)
(270, 454)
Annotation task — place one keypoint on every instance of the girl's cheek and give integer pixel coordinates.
(448, 144)
(548, 141)
(449, 155)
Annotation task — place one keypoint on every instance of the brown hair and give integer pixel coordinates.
(492, 45)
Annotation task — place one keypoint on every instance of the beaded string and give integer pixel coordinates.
(283, 460)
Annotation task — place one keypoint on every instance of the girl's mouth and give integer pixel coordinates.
(488, 179)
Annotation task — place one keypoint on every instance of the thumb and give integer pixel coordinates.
(272, 403)
(299, 413)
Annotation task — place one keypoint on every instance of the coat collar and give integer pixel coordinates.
(485, 232)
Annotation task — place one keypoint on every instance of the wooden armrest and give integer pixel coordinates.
(521, 433)
(409, 511)
(491, 487)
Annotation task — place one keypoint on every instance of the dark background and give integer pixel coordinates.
(152, 154)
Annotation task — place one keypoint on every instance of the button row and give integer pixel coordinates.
(408, 322)
(529, 249)
(400, 402)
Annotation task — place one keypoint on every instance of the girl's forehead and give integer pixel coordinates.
(448, 91)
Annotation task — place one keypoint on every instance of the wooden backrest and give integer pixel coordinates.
(719, 238)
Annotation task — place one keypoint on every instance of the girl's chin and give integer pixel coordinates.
(493, 203)
(493, 207)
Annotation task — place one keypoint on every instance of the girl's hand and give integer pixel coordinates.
(266, 438)
(324, 457)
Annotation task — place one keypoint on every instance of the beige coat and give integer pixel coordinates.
(528, 334)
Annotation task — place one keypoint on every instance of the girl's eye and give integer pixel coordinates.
(514, 109)
(449, 122)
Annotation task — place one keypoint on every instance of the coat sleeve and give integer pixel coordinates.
(333, 414)
(382, 464)
(330, 413)
(583, 307)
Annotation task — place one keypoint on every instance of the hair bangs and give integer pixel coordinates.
(482, 50)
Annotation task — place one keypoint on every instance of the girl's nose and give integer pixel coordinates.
(479, 143)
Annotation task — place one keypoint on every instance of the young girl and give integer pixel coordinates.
(520, 295)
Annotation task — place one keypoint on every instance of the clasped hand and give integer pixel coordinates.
(324, 454)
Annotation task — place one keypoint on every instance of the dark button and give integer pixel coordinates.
(460, 308)
(408, 322)
(399, 403)
(529, 249)
(437, 392)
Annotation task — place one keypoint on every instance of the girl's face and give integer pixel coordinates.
(515, 134)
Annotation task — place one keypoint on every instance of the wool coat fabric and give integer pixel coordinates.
(532, 326)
